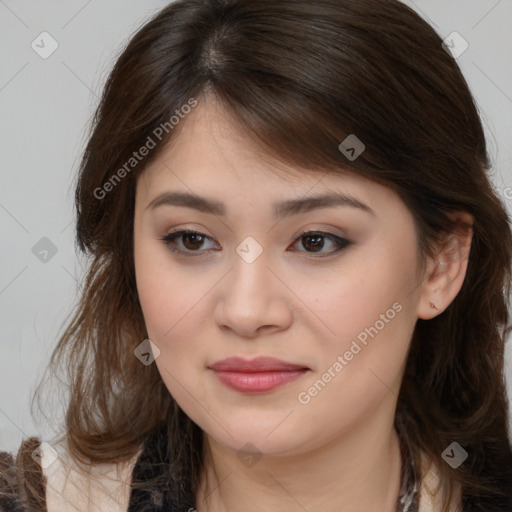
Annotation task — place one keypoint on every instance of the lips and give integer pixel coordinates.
(260, 364)
(258, 375)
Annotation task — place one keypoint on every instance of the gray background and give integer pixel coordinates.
(46, 105)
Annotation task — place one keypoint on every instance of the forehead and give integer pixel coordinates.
(210, 144)
(212, 155)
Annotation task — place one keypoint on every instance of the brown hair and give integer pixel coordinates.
(299, 76)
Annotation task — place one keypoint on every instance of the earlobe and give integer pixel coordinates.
(432, 305)
(446, 272)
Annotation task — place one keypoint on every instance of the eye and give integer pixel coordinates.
(314, 242)
(190, 240)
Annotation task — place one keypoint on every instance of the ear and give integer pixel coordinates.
(445, 273)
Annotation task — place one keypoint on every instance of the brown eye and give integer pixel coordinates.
(191, 241)
(315, 241)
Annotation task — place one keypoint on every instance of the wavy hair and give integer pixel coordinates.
(299, 76)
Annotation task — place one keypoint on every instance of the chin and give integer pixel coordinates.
(262, 437)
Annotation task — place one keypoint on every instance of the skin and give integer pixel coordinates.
(338, 452)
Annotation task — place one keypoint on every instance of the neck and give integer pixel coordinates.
(359, 470)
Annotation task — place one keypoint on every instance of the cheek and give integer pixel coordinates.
(171, 306)
(361, 299)
(371, 317)
(153, 288)
(362, 366)
(177, 315)
(167, 294)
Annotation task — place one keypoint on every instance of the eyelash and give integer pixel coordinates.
(170, 238)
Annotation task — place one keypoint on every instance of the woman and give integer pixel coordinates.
(299, 277)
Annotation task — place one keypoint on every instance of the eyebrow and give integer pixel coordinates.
(281, 209)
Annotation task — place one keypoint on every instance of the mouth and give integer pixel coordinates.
(259, 375)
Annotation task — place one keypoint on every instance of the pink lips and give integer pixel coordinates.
(257, 375)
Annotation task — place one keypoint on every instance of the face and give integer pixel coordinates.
(329, 291)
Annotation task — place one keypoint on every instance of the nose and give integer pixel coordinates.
(253, 300)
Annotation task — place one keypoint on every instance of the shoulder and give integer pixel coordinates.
(429, 495)
(73, 486)
(22, 483)
(45, 477)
